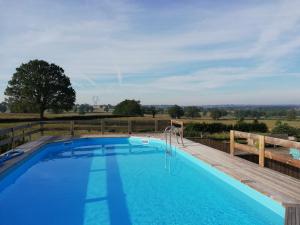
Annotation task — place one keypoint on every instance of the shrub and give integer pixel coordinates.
(284, 128)
(129, 108)
(175, 111)
(251, 127)
(195, 129)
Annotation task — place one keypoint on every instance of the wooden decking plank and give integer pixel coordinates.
(298, 215)
(277, 178)
(28, 149)
(239, 174)
(276, 181)
(263, 171)
(278, 186)
(292, 215)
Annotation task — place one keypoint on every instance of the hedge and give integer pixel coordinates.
(195, 129)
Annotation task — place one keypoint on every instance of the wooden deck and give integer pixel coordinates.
(279, 187)
(28, 149)
(292, 215)
(282, 188)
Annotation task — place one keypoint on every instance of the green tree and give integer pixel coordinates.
(291, 114)
(37, 86)
(153, 111)
(91, 109)
(75, 108)
(284, 128)
(176, 111)
(82, 109)
(150, 110)
(191, 111)
(129, 108)
(106, 108)
(3, 107)
(278, 123)
(217, 113)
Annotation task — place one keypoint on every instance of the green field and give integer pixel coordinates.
(47, 115)
(270, 122)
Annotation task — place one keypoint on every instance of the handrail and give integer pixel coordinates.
(180, 129)
(257, 146)
(172, 130)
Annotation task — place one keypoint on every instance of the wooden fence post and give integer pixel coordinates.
(72, 128)
(30, 126)
(261, 151)
(12, 138)
(156, 126)
(129, 126)
(102, 126)
(23, 135)
(42, 128)
(232, 142)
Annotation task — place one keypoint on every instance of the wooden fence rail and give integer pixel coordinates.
(11, 137)
(256, 144)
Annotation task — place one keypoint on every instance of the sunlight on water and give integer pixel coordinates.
(96, 209)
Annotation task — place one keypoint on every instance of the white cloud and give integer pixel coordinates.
(104, 39)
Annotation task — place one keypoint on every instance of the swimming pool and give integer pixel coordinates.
(126, 181)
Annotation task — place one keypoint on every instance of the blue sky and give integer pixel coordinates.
(160, 52)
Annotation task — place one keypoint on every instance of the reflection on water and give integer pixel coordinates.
(172, 162)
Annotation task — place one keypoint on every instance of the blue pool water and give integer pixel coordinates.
(126, 181)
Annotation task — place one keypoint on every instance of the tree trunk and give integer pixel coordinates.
(42, 114)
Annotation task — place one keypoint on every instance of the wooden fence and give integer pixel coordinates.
(224, 146)
(14, 136)
(265, 147)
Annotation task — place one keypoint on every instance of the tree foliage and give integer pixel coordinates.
(217, 113)
(191, 111)
(291, 114)
(150, 110)
(284, 128)
(83, 108)
(3, 107)
(129, 108)
(37, 86)
(249, 113)
(176, 111)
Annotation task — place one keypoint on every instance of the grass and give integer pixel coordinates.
(47, 115)
(270, 122)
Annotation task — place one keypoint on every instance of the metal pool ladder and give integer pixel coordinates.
(168, 132)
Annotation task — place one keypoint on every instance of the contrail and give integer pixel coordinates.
(119, 75)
